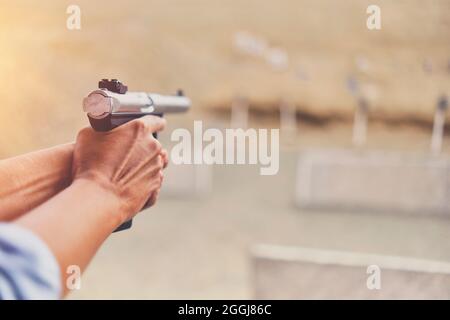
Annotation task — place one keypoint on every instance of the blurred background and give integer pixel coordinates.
(354, 105)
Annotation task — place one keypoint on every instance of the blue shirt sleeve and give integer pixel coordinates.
(28, 269)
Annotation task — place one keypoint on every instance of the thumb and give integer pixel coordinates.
(151, 123)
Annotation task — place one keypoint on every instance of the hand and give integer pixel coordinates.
(127, 161)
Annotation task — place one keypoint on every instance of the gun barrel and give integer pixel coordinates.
(101, 102)
(163, 104)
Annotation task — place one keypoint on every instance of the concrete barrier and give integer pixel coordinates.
(299, 273)
(371, 180)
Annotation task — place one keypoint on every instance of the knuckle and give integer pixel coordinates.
(84, 132)
(154, 144)
(140, 125)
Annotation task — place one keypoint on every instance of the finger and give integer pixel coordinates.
(152, 123)
(152, 199)
(148, 169)
(165, 157)
(156, 166)
(148, 123)
(154, 145)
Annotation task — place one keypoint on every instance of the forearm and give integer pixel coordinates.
(27, 181)
(75, 222)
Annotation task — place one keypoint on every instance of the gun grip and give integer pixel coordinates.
(108, 123)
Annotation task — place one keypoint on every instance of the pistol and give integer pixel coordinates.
(111, 105)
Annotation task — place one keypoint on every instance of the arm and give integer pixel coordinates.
(113, 175)
(33, 178)
(74, 229)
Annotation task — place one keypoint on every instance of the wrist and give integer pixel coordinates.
(103, 196)
(98, 179)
